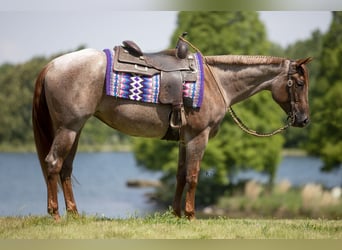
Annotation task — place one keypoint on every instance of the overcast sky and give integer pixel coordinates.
(25, 34)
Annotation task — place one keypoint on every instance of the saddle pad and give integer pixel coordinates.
(144, 88)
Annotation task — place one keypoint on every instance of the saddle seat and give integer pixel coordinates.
(182, 48)
(167, 60)
(175, 66)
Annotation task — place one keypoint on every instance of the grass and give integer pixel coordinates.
(283, 202)
(166, 226)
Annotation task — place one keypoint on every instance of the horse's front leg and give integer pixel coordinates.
(194, 154)
(181, 180)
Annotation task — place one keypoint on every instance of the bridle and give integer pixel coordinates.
(291, 115)
(293, 100)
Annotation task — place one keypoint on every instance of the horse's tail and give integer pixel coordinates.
(41, 121)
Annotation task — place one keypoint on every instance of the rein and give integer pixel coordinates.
(291, 116)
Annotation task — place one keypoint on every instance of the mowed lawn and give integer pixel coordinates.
(166, 226)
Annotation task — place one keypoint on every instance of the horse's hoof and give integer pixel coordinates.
(56, 217)
(190, 216)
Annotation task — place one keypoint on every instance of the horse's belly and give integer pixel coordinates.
(134, 118)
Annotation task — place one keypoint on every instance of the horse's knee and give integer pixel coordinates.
(192, 181)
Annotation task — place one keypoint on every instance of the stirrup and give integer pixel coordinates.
(180, 120)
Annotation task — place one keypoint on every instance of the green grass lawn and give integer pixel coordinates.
(166, 226)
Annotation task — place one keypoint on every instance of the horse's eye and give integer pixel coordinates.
(300, 83)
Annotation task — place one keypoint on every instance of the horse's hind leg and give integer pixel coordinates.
(65, 176)
(60, 149)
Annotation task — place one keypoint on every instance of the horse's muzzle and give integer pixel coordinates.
(301, 120)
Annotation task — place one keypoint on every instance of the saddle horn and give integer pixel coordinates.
(182, 48)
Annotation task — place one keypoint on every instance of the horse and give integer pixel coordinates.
(70, 89)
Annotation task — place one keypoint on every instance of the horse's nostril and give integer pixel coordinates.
(306, 121)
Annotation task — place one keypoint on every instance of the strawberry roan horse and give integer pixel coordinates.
(70, 89)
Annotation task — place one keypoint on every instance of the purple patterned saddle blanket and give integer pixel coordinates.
(143, 88)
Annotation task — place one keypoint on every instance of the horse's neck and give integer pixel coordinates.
(247, 75)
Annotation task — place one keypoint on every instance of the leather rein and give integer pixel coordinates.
(291, 115)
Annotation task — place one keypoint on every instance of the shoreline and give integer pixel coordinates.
(118, 148)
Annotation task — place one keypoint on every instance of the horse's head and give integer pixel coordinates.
(292, 93)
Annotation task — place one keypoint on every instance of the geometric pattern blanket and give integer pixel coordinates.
(138, 87)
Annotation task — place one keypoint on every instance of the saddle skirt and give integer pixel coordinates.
(158, 87)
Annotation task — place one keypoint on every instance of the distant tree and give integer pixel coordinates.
(326, 128)
(216, 33)
(16, 82)
(223, 33)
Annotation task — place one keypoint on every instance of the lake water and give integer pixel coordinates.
(101, 188)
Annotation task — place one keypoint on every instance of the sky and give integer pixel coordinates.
(25, 34)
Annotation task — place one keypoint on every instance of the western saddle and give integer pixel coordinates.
(175, 66)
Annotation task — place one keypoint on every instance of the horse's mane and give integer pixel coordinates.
(243, 59)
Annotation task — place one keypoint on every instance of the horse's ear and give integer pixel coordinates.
(304, 61)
